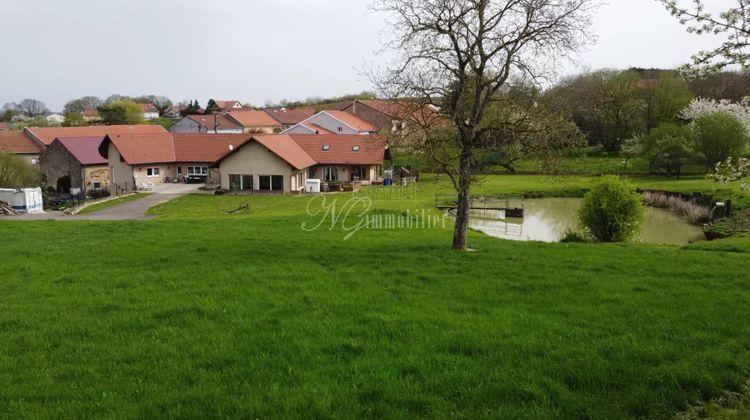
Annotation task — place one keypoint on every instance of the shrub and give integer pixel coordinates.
(719, 137)
(689, 209)
(17, 173)
(97, 194)
(662, 131)
(611, 211)
(572, 236)
(670, 154)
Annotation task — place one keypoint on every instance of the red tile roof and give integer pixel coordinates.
(404, 110)
(17, 142)
(316, 127)
(84, 149)
(149, 108)
(253, 119)
(352, 121)
(290, 116)
(47, 135)
(209, 121)
(138, 149)
(286, 148)
(207, 148)
(341, 148)
(90, 113)
(227, 104)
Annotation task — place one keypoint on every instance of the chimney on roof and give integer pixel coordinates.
(354, 107)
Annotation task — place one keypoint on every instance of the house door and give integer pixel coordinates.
(360, 173)
(271, 183)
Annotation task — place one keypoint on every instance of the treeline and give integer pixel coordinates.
(611, 106)
(320, 102)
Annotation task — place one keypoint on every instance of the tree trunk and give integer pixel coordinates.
(461, 230)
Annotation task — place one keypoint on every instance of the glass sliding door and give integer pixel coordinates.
(247, 182)
(330, 173)
(271, 183)
(235, 182)
(277, 183)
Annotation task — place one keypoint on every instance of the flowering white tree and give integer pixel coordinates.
(700, 108)
(734, 22)
(733, 171)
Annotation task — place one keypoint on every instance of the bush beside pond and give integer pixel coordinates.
(611, 211)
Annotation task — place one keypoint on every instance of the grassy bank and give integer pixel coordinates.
(259, 318)
(423, 194)
(600, 165)
(112, 203)
(268, 315)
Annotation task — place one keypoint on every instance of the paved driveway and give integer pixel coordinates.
(132, 210)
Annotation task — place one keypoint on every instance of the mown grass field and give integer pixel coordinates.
(599, 165)
(592, 164)
(200, 314)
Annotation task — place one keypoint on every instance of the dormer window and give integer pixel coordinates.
(355, 149)
(326, 147)
(341, 129)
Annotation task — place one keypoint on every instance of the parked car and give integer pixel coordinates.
(196, 179)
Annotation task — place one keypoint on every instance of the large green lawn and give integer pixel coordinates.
(200, 314)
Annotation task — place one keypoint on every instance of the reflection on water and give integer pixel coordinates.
(548, 219)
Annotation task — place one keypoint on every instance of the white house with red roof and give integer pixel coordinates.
(283, 163)
(150, 111)
(219, 123)
(253, 121)
(332, 122)
(139, 161)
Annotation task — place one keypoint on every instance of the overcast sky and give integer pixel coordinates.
(250, 50)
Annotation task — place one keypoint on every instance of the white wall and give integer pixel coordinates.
(254, 159)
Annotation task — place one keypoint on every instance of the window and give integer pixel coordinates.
(326, 147)
(360, 172)
(271, 183)
(341, 129)
(97, 185)
(311, 173)
(197, 170)
(355, 149)
(235, 182)
(179, 169)
(277, 183)
(330, 173)
(152, 172)
(264, 183)
(247, 182)
(240, 182)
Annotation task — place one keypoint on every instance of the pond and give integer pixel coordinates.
(548, 219)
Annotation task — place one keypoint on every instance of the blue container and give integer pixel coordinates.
(388, 182)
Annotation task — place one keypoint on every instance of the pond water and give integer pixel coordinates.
(548, 219)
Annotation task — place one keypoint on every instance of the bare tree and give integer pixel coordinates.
(32, 107)
(82, 104)
(733, 22)
(161, 103)
(460, 54)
